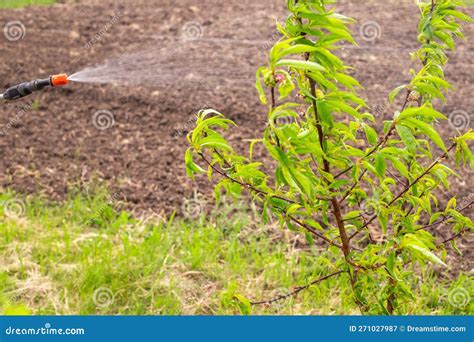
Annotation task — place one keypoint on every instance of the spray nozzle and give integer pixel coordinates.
(59, 80)
(27, 88)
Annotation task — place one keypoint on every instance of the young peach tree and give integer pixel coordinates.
(335, 177)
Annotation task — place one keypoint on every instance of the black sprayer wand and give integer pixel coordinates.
(27, 88)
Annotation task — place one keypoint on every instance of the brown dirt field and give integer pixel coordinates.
(54, 146)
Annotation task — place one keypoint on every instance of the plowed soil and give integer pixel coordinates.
(51, 145)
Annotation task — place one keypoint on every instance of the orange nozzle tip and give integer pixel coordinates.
(59, 80)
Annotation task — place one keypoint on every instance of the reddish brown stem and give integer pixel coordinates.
(346, 249)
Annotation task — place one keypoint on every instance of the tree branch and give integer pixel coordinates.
(313, 231)
(446, 218)
(258, 191)
(455, 236)
(297, 290)
(245, 185)
(346, 248)
(406, 189)
(349, 191)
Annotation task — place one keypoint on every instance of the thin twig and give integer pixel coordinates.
(313, 231)
(249, 186)
(245, 185)
(297, 290)
(407, 188)
(349, 191)
(396, 178)
(446, 218)
(252, 188)
(455, 236)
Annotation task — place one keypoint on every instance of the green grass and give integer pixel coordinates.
(83, 257)
(23, 3)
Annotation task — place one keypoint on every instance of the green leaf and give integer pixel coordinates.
(451, 204)
(295, 49)
(191, 167)
(425, 88)
(324, 112)
(399, 166)
(244, 304)
(203, 124)
(300, 65)
(380, 164)
(459, 15)
(427, 253)
(322, 80)
(259, 86)
(314, 224)
(435, 217)
(424, 112)
(395, 92)
(342, 33)
(439, 82)
(391, 263)
(340, 106)
(347, 81)
(408, 138)
(291, 227)
(286, 87)
(370, 167)
(455, 247)
(214, 141)
(413, 243)
(309, 238)
(371, 134)
(428, 130)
